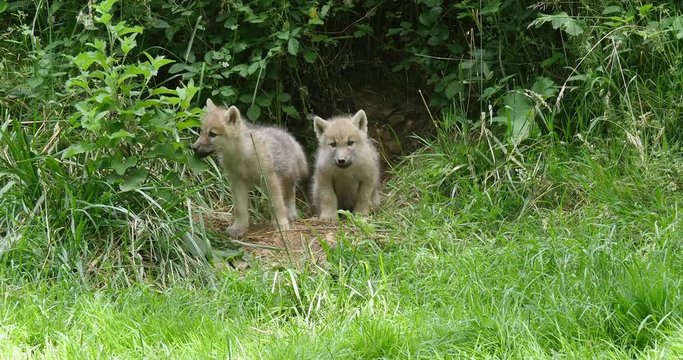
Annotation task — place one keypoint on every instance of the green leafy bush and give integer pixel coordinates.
(245, 53)
(109, 187)
(131, 129)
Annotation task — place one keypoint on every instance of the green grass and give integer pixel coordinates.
(586, 265)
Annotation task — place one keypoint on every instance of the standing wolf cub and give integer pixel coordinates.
(346, 168)
(274, 153)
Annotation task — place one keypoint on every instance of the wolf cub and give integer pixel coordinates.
(346, 168)
(273, 154)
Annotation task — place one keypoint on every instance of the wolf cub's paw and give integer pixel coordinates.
(362, 210)
(332, 218)
(284, 224)
(292, 215)
(236, 231)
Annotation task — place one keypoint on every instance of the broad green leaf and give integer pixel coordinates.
(186, 94)
(262, 101)
(99, 45)
(84, 60)
(103, 97)
(310, 57)
(254, 112)
(196, 164)
(78, 148)
(92, 120)
(429, 18)
(564, 22)
(518, 114)
(176, 68)
(284, 97)
(165, 150)
(77, 82)
(490, 91)
(677, 26)
(160, 24)
(492, 8)
(612, 10)
(291, 111)
(282, 35)
(159, 61)
(544, 87)
(253, 67)
(104, 19)
(560, 21)
(171, 100)
(34, 82)
(643, 10)
(293, 46)
(453, 88)
(246, 98)
(573, 28)
(3, 6)
(189, 123)
(241, 69)
(121, 29)
(161, 122)
(120, 167)
(128, 43)
(257, 19)
(134, 180)
(104, 6)
(227, 91)
(162, 90)
(120, 134)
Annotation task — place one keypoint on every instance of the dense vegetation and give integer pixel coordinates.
(538, 219)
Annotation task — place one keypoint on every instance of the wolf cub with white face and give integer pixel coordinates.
(273, 154)
(346, 168)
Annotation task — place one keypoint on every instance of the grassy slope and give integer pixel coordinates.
(588, 266)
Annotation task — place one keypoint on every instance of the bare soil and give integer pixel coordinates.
(303, 244)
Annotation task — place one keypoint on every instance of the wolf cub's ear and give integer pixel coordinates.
(209, 105)
(319, 125)
(360, 120)
(233, 116)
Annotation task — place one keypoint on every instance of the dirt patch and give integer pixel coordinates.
(303, 244)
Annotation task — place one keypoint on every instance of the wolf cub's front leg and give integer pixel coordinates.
(364, 200)
(328, 200)
(240, 200)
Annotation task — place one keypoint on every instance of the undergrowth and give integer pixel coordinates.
(539, 220)
(585, 263)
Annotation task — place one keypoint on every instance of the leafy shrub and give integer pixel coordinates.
(130, 128)
(244, 53)
(115, 191)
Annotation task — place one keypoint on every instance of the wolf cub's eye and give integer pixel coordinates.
(333, 144)
(212, 134)
(350, 142)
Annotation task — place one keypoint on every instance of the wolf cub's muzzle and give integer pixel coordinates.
(342, 163)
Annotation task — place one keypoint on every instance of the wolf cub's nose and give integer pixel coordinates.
(343, 162)
(199, 152)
